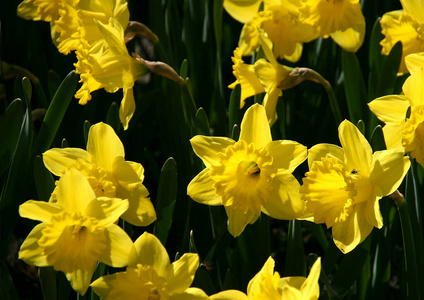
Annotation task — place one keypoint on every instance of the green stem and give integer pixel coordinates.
(412, 282)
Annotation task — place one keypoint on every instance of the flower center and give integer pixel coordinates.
(72, 242)
(243, 176)
(413, 134)
(331, 191)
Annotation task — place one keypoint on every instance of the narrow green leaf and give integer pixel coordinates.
(65, 143)
(235, 133)
(166, 199)
(7, 288)
(55, 113)
(192, 245)
(389, 69)
(375, 56)
(53, 82)
(112, 117)
(10, 125)
(234, 113)
(217, 21)
(48, 283)
(351, 267)
(295, 256)
(377, 139)
(86, 129)
(356, 95)
(201, 122)
(361, 126)
(184, 69)
(44, 182)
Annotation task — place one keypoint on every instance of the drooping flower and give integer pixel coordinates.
(104, 165)
(74, 20)
(264, 76)
(344, 185)
(107, 64)
(281, 22)
(341, 19)
(77, 230)
(400, 130)
(267, 284)
(150, 275)
(250, 175)
(405, 26)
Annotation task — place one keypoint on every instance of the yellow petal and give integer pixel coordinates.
(393, 136)
(127, 108)
(106, 210)
(242, 10)
(292, 281)
(267, 268)
(104, 145)
(237, 219)
(352, 38)
(74, 192)
(324, 150)
(287, 155)
(390, 167)
(80, 278)
(270, 104)
(372, 211)
(414, 62)
(38, 210)
(285, 202)
(390, 109)
(58, 160)
(267, 45)
(357, 150)
(207, 148)
(30, 251)
(180, 274)
(350, 233)
(28, 11)
(201, 189)
(190, 294)
(229, 295)
(415, 8)
(289, 292)
(414, 89)
(310, 287)
(149, 251)
(254, 127)
(138, 168)
(118, 247)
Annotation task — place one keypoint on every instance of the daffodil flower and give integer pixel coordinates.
(73, 21)
(268, 284)
(402, 132)
(104, 165)
(264, 76)
(281, 22)
(341, 19)
(77, 230)
(250, 175)
(405, 26)
(242, 10)
(344, 185)
(150, 275)
(107, 64)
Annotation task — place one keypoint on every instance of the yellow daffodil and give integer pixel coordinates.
(250, 175)
(264, 76)
(343, 186)
(281, 22)
(74, 20)
(341, 19)
(268, 285)
(77, 230)
(107, 64)
(104, 165)
(405, 26)
(401, 131)
(150, 275)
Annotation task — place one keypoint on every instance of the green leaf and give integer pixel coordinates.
(44, 182)
(7, 288)
(86, 129)
(192, 245)
(166, 199)
(53, 82)
(184, 69)
(377, 139)
(361, 126)
(55, 113)
(48, 283)
(217, 21)
(356, 95)
(10, 126)
(112, 117)
(234, 113)
(295, 256)
(201, 122)
(235, 133)
(388, 73)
